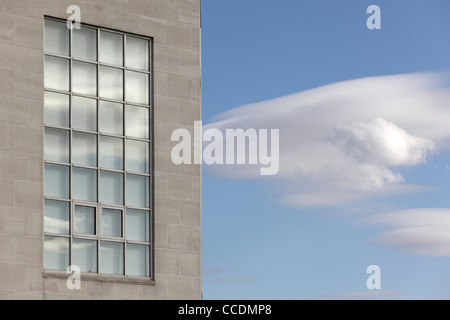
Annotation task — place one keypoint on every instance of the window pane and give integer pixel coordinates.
(137, 53)
(111, 187)
(111, 48)
(111, 153)
(84, 78)
(56, 181)
(56, 145)
(85, 44)
(137, 156)
(112, 223)
(84, 149)
(111, 257)
(138, 260)
(85, 255)
(57, 217)
(56, 253)
(110, 117)
(137, 124)
(56, 37)
(111, 83)
(56, 109)
(137, 87)
(56, 73)
(84, 220)
(84, 184)
(137, 191)
(138, 225)
(84, 114)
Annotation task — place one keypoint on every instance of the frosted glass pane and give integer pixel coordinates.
(111, 257)
(137, 191)
(138, 225)
(138, 260)
(56, 181)
(57, 217)
(84, 114)
(136, 87)
(84, 149)
(85, 255)
(111, 187)
(111, 83)
(56, 253)
(56, 73)
(84, 78)
(85, 44)
(111, 153)
(84, 186)
(137, 156)
(56, 109)
(110, 117)
(56, 145)
(112, 223)
(111, 48)
(137, 122)
(137, 53)
(84, 220)
(56, 37)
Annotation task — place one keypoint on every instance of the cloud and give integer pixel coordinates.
(216, 271)
(235, 279)
(206, 271)
(382, 142)
(365, 294)
(210, 270)
(423, 232)
(348, 141)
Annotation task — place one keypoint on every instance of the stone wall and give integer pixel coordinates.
(175, 28)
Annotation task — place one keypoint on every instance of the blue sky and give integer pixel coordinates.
(364, 149)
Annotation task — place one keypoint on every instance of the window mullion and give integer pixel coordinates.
(99, 224)
(72, 206)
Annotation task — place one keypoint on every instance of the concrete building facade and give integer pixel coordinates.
(173, 100)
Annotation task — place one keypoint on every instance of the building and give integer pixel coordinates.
(86, 177)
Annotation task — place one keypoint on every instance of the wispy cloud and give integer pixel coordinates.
(348, 141)
(235, 279)
(210, 270)
(217, 270)
(365, 294)
(212, 273)
(419, 231)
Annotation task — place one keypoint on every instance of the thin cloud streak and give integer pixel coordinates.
(424, 232)
(366, 294)
(235, 279)
(208, 271)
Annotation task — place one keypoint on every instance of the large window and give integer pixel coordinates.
(97, 100)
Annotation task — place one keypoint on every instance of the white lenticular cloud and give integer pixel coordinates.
(418, 231)
(348, 141)
(380, 141)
